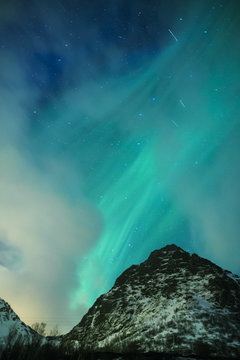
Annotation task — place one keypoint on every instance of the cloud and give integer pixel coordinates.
(47, 225)
(9, 255)
(49, 232)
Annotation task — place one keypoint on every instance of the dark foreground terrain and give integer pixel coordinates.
(49, 352)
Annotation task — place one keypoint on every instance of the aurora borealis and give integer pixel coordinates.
(119, 135)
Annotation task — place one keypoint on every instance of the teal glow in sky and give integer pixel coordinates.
(114, 142)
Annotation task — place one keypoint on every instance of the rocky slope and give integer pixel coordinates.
(174, 302)
(12, 328)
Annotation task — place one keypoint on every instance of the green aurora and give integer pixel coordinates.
(119, 143)
(176, 117)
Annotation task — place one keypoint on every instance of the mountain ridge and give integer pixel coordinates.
(13, 328)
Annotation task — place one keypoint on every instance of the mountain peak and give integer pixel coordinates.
(164, 251)
(173, 302)
(171, 247)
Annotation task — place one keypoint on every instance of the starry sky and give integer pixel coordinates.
(119, 134)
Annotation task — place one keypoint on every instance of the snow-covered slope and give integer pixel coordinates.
(174, 302)
(12, 328)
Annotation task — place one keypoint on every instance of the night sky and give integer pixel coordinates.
(119, 134)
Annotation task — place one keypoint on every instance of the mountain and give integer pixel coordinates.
(174, 302)
(12, 328)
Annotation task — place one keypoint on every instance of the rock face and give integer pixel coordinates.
(174, 302)
(12, 328)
